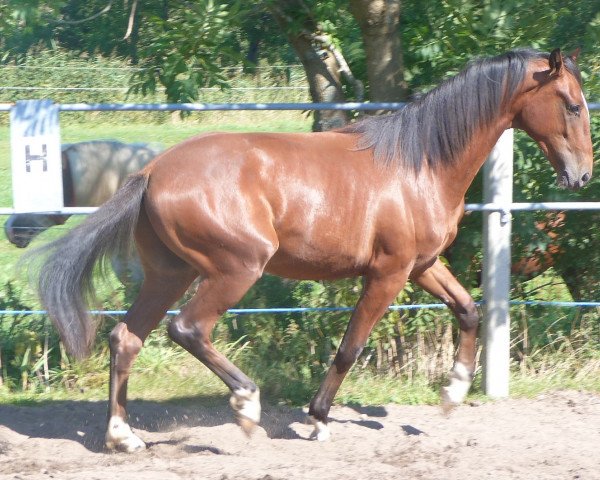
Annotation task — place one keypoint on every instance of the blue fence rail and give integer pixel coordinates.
(283, 310)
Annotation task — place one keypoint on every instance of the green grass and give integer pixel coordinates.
(532, 385)
(164, 372)
(187, 378)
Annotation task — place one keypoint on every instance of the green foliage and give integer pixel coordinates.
(555, 348)
(67, 78)
(21, 341)
(441, 37)
(182, 55)
(24, 24)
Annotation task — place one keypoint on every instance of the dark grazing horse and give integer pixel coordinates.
(378, 199)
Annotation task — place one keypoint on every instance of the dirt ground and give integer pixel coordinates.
(555, 436)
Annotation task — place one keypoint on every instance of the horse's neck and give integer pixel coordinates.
(459, 176)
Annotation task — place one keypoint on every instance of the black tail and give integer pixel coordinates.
(65, 277)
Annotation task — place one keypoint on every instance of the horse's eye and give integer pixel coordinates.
(574, 109)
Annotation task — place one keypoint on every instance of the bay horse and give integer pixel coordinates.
(378, 199)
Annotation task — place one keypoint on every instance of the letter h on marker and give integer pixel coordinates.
(30, 158)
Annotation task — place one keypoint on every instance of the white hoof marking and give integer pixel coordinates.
(120, 437)
(460, 382)
(321, 432)
(246, 404)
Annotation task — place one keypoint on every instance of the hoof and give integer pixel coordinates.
(321, 433)
(447, 403)
(246, 405)
(455, 393)
(248, 426)
(119, 437)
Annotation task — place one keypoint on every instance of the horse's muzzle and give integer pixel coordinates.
(573, 182)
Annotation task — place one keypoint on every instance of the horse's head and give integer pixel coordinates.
(22, 228)
(553, 111)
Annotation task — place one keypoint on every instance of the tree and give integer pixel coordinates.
(379, 25)
(323, 69)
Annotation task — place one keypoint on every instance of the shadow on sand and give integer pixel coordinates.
(85, 421)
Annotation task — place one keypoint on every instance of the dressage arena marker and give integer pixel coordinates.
(36, 158)
(36, 124)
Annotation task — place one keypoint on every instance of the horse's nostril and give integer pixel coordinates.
(585, 178)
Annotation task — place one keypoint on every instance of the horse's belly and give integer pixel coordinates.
(316, 264)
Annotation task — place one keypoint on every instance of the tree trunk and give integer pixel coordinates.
(379, 25)
(322, 69)
(135, 37)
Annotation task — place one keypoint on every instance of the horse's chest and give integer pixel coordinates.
(433, 239)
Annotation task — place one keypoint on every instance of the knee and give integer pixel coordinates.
(468, 315)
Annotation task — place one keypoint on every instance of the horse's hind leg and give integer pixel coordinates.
(166, 279)
(126, 340)
(438, 281)
(192, 328)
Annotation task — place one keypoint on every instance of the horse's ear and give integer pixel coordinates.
(574, 55)
(556, 62)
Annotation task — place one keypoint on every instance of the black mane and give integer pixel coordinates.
(438, 126)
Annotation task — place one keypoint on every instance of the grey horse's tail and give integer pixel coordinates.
(65, 281)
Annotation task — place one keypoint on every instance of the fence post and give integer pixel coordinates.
(36, 157)
(497, 186)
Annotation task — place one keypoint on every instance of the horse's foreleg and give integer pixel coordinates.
(157, 294)
(438, 281)
(192, 328)
(378, 293)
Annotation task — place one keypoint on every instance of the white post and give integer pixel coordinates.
(36, 156)
(497, 187)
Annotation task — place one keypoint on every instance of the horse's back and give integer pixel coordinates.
(258, 163)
